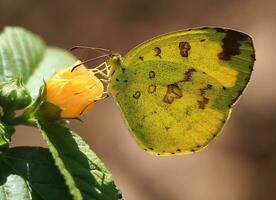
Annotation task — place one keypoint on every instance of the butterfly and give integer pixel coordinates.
(176, 91)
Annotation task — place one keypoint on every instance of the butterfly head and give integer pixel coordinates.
(115, 61)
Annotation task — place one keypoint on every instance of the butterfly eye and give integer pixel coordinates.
(116, 58)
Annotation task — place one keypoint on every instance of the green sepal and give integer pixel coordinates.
(48, 112)
(14, 95)
(5, 136)
(42, 110)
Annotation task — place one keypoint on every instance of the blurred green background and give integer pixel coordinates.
(239, 165)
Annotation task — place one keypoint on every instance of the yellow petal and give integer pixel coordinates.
(74, 91)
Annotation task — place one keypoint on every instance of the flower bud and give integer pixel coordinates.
(5, 136)
(74, 91)
(14, 95)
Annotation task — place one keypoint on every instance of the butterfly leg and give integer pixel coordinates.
(105, 69)
(101, 72)
(103, 96)
(104, 72)
(98, 67)
(104, 80)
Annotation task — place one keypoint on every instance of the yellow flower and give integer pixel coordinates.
(74, 92)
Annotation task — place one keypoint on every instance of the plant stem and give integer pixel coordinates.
(19, 120)
(7, 114)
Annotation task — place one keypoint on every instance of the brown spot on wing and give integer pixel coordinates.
(151, 89)
(151, 74)
(157, 51)
(184, 48)
(231, 44)
(203, 90)
(188, 74)
(137, 95)
(202, 103)
(253, 58)
(141, 58)
(173, 92)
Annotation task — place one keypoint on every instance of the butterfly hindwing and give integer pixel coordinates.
(176, 90)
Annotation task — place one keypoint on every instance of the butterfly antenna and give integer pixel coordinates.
(89, 60)
(97, 49)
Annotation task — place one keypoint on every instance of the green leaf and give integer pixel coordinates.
(23, 54)
(84, 173)
(7, 191)
(20, 53)
(53, 60)
(29, 173)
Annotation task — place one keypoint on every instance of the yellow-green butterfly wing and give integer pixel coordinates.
(176, 90)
